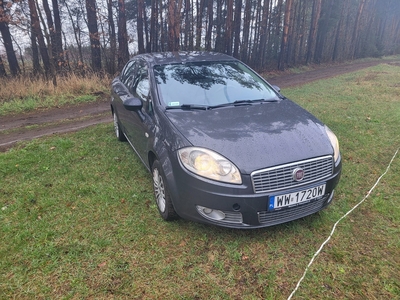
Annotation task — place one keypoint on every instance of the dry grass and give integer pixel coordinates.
(24, 88)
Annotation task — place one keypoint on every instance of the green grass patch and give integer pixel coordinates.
(78, 219)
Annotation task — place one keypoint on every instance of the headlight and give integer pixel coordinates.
(209, 164)
(334, 142)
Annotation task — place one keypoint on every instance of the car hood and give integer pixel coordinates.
(255, 136)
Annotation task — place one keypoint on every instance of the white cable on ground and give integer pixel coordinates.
(334, 226)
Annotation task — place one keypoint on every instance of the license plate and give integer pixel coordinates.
(300, 197)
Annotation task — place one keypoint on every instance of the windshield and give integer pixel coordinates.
(210, 84)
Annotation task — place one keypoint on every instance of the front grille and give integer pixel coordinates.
(269, 218)
(281, 177)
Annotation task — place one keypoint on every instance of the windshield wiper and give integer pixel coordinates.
(188, 107)
(242, 102)
(236, 103)
(206, 107)
(265, 100)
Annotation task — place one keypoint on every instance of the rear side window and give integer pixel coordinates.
(140, 85)
(143, 88)
(128, 72)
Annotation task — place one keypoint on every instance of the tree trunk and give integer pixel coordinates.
(140, 4)
(3, 72)
(163, 32)
(396, 35)
(76, 30)
(338, 48)
(58, 46)
(295, 32)
(263, 33)
(50, 38)
(237, 27)
(324, 27)
(191, 26)
(5, 33)
(300, 53)
(210, 14)
(187, 31)
(229, 27)
(50, 25)
(113, 39)
(277, 30)
(37, 69)
(93, 34)
(246, 30)
(57, 54)
(316, 13)
(123, 52)
(219, 44)
(199, 23)
(154, 28)
(284, 46)
(355, 37)
(35, 24)
(174, 18)
(146, 30)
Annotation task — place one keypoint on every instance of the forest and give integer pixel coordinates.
(61, 36)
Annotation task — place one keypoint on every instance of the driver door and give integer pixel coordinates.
(139, 123)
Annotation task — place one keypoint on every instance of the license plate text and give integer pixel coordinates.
(296, 198)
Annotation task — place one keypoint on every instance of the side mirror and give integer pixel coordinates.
(133, 104)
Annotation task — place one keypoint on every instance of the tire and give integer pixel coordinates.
(161, 193)
(117, 129)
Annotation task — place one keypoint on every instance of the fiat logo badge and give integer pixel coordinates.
(298, 174)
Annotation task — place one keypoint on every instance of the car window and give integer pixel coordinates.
(122, 76)
(140, 86)
(210, 83)
(143, 88)
(127, 72)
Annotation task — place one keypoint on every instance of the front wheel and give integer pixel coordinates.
(118, 132)
(161, 194)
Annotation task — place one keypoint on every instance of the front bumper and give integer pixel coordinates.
(237, 206)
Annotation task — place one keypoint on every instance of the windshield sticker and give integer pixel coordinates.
(174, 104)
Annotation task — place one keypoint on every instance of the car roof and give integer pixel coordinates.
(165, 58)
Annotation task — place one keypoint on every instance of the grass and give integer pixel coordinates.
(78, 219)
(18, 95)
(310, 67)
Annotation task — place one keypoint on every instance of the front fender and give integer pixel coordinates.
(167, 160)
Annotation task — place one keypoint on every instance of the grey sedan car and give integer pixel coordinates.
(224, 147)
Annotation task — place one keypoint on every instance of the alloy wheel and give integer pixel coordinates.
(159, 190)
(116, 126)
